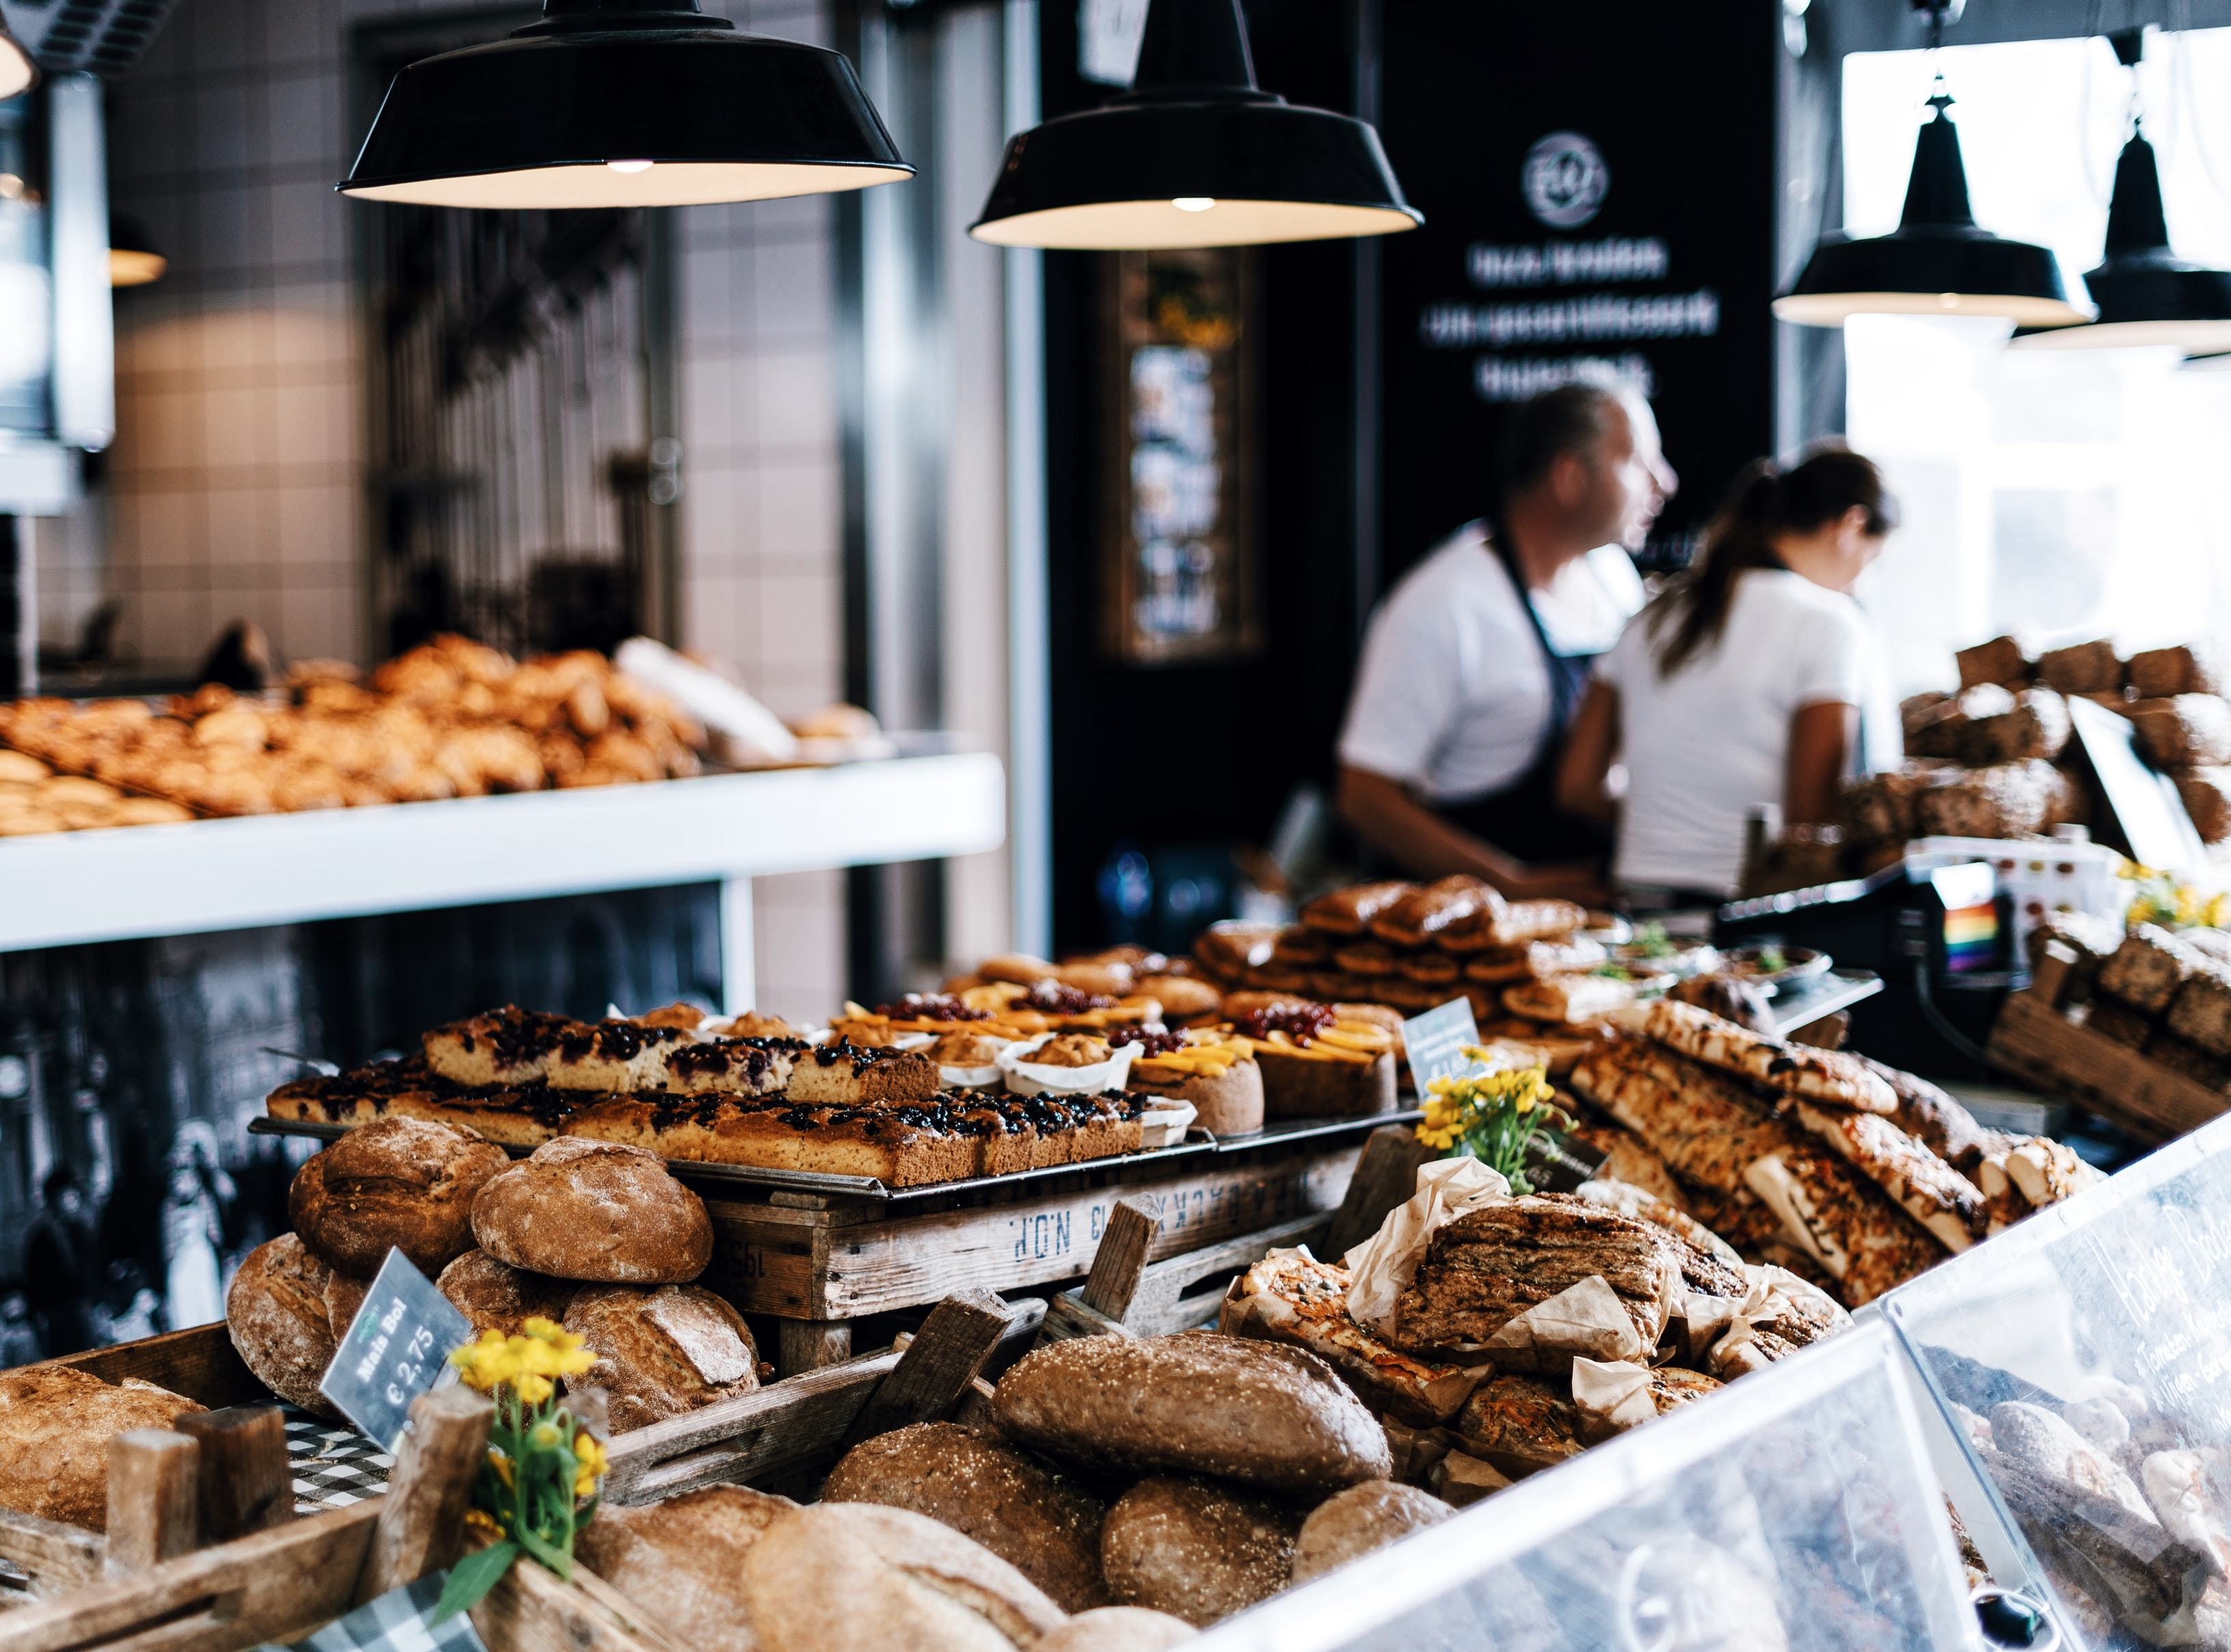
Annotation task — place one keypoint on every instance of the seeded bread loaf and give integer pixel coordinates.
(663, 1351)
(288, 1312)
(1360, 1520)
(681, 1561)
(1255, 1412)
(495, 1296)
(2148, 968)
(56, 1424)
(1044, 1525)
(594, 1210)
(400, 1183)
(1118, 1628)
(1195, 1549)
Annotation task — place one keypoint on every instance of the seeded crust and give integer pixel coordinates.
(1361, 1521)
(845, 1075)
(1197, 1550)
(1520, 1424)
(506, 1046)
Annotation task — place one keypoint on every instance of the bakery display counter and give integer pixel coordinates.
(67, 888)
(2081, 1366)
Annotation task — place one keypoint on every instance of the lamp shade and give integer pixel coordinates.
(134, 258)
(17, 72)
(1937, 261)
(2146, 293)
(623, 103)
(1194, 155)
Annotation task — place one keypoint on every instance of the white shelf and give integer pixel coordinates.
(213, 875)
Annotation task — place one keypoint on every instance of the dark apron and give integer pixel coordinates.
(1523, 819)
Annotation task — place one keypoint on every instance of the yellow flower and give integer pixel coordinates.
(485, 1521)
(545, 1434)
(542, 1329)
(501, 1464)
(590, 1453)
(533, 1388)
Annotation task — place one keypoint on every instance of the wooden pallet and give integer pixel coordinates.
(2036, 1040)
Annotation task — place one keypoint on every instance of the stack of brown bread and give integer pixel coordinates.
(2165, 994)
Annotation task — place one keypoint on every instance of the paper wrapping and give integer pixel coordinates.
(1379, 1268)
(1611, 1396)
(1586, 1320)
(1025, 1077)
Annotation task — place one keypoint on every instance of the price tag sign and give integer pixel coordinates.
(396, 1348)
(1435, 1042)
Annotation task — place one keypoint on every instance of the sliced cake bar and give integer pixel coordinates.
(844, 1074)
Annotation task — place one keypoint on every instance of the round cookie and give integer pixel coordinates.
(594, 1210)
(408, 1184)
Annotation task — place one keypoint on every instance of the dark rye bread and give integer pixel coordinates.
(2148, 968)
(1484, 1269)
(56, 1424)
(287, 1312)
(1197, 1550)
(404, 1184)
(1260, 1413)
(661, 1351)
(495, 1296)
(681, 1561)
(1360, 1520)
(594, 1210)
(1520, 1424)
(1044, 1525)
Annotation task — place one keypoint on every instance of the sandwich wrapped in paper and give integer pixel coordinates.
(1583, 1322)
(1384, 1264)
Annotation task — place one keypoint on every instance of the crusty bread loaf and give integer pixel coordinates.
(1260, 1413)
(681, 1561)
(594, 1210)
(2162, 674)
(840, 1576)
(56, 1424)
(495, 1296)
(1359, 1520)
(1196, 1550)
(1118, 1628)
(401, 1183)
(1044, 1526)
(2183, 730)
(2083, 668)
(663, 1351)
(288, 1312)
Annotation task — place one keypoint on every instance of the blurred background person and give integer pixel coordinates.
(61, 1278)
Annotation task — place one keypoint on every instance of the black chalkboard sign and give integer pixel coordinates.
(1600, 202)
(396, 1350)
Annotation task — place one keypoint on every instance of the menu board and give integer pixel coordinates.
(1796, 1512)
(2083, 1363)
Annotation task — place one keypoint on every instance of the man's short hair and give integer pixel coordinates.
(1573, 418)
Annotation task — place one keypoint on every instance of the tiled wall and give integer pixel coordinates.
(235, 482)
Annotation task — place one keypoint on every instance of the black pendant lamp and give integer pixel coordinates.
(134, 258)
(2146, 293)
(18, 73)
(623, 103)
(1937, 261)
(1193, 155)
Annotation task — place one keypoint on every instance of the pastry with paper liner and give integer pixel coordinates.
(1069, 1075)
(1216, 1073)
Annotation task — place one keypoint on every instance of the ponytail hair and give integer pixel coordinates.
(1766, 503)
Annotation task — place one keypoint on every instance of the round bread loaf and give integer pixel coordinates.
(839, 1577)
(407, 1183)
(663, 1351)
(56, 1424)
(594, 1210)
(1041, 1524)
(1260, 1413)
(1118, 1628)
(1196, 1550)
(1360, 1519)
(288, 1312)
(495, 1296)
(681, 1561)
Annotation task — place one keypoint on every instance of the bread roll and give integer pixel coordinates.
(594, 1210)
(408, 1184)
(1118, 1628)
(663, 1351)
(56, 1424)
(841, 1577)
(681, 1561)
(495, 1296)
(288, 1312)
(1359, 1520)
(1182, 996)
(1196, 1550)
(1260, 1413)
(1044, 1526)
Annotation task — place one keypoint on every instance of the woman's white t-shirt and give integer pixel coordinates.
(1703, 746)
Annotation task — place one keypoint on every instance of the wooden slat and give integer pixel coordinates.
(1385, 1178)
(154, 1499)
(59, 1556)
(200, 1363)
(1164, 1304)
(246, 1484)
(422, 1518)
(827, 1265)
(530, 1611)
(936, 1367)
(1120, 1261)
(2041, 1047)
(811, 1345)
(276, 1585)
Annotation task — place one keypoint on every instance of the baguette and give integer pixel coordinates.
(1799, 1070)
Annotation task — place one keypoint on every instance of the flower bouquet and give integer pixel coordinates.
(1491, 1116)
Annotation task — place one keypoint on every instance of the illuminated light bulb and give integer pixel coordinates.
(629, 166)
(1193, 204)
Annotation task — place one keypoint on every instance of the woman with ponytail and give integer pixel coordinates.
(1744, 683)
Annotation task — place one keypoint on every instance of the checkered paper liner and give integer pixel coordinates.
(397, 1622)
(333, 1465)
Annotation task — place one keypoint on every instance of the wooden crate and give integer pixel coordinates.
(824, 1259)
(2038, 1043)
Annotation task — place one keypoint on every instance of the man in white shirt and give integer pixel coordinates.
(1468, 683)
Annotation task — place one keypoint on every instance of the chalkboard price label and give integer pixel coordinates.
(1435, 1040)
(397, 1348)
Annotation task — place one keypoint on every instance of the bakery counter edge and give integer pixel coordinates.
(135, 881)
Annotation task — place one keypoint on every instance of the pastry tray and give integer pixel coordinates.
(1197, 1143)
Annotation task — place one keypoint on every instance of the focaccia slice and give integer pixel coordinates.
(618, 1057)
(846, 1075)
(1801, 1070)
(733, 1066)
(506, 1046)
(1926, 1188)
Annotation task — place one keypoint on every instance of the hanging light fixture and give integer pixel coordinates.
(1193, 155)
(17, 72)
(1937, 261)
(623, 103)
(134, 258)
(2146, 293)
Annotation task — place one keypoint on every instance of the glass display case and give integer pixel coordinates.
(2082, 1362)
(1795, 1511)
